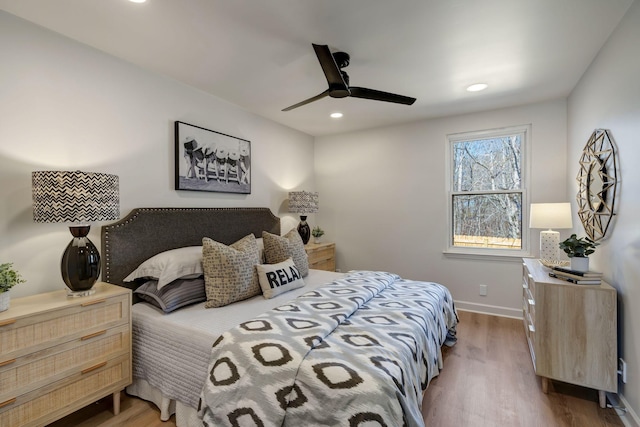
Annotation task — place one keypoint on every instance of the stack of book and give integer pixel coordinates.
(577, 277)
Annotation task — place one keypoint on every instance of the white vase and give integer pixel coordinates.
(580, 264)
(317, 239)
(4, 301)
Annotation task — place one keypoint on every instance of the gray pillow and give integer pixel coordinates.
(279, 248)
(177, 294)
(230, 271)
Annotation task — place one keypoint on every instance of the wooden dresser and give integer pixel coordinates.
(571, 330)
(322, 256)
(59, 354)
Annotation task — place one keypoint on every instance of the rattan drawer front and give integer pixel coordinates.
(49, 403)
(21, 375)
(33, 333)
(322, 256)
(327, 264)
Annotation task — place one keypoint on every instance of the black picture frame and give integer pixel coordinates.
(206, 160)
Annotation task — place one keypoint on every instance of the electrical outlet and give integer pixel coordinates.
(483, 290)
(622, 365)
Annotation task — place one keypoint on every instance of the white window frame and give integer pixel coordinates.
(484, 253)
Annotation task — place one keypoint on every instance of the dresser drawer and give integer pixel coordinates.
(531, 305)
(49, 403)
(33, 333)
(23, 374)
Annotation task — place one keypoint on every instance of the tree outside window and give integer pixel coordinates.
(487, 190)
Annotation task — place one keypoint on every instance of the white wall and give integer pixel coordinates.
(383, 200)
(608, 96)
(64, 105)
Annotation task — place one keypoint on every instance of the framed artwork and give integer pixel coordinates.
(207, 160)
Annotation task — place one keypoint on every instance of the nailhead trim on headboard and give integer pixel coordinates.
(149, 231)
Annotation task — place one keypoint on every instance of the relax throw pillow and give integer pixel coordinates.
(276, 279)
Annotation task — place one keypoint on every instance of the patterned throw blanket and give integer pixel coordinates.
(359, 351)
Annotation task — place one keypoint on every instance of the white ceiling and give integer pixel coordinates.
(257, 53)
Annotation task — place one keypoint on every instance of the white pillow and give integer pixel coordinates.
(165, 267)
(260, 242)
(276, 279)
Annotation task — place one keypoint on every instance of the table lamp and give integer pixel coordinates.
(77, 198)
(303, 203)
(550, 215)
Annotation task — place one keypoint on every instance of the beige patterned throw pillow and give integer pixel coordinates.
(279, 248)
(229, 271)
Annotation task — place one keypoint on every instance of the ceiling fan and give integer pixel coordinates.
(332, 65)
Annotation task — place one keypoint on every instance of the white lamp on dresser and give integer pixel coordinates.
(549, 216)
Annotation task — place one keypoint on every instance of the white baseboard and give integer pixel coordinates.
(489, 309)
(628, 418)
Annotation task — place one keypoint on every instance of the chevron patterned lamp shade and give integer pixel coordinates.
(78, 198)
(303, 203)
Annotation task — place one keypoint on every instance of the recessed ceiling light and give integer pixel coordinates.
(336, 115)
(477, 87)
(137, 1)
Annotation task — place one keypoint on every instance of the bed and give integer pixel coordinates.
(224, 365)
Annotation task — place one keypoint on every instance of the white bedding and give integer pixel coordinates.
(171, 351)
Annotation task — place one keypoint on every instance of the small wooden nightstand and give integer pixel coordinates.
(59, 354)
(322, 256)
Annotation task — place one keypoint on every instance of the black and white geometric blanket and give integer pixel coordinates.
(356, 352)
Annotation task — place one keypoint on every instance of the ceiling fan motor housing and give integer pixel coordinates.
(342, 59)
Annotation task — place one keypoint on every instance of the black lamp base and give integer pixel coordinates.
(304, 230)
(80, 264)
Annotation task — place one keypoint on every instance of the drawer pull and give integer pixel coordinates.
(532, 301)
(7, 402)
(7, 362)
(94, 367)
(98, 301)
(95, 334)
(7, 322)
(532, 328)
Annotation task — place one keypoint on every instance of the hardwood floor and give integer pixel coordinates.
(487, 381)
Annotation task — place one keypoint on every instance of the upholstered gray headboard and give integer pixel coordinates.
(148, 231)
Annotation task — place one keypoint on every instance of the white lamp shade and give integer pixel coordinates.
(550, 215)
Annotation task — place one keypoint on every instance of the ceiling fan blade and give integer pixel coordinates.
(307, 101)
(377, 95)
(329, 67)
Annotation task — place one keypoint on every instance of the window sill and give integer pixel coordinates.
(488, 256)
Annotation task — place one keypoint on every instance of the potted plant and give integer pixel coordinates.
(578, 250)
(8, 279)
(317, 233)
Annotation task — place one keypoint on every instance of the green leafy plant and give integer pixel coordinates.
(578, 247)
(317, 232)
(8, 277)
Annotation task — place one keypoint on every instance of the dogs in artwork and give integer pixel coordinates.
(207, 161)
(245, 164)
(198, 157)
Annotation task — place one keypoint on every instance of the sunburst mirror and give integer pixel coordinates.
(597, 180)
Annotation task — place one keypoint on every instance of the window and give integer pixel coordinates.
(487, 192)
